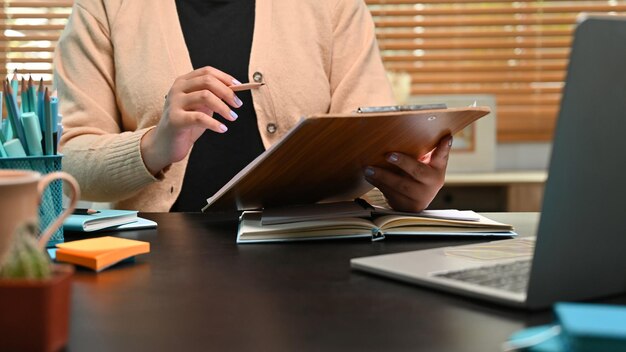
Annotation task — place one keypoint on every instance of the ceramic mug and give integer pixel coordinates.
(20, 195)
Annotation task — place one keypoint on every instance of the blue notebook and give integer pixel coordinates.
(141, 223)
(103, 219)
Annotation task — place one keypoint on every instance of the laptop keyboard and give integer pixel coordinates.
(510, 276)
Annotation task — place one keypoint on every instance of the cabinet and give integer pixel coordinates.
(492, 192)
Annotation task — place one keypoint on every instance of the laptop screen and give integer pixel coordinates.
(581, 238)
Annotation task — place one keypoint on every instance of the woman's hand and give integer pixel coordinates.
(417, 182)
(187, 113)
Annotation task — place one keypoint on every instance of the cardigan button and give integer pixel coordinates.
(271, 128)
(257, 77)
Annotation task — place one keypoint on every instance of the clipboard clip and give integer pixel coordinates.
(395, 108)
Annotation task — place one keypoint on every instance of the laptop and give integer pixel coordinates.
(579, 251)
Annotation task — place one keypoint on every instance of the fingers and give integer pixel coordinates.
(385, 179)
(418, 171)
(439, 157)
(415, 182)
(402, 202)
(201, 119)
(186, 120)
(214, 85)
(225, 78)
(204, 90)
(203, 100)
(209, 79)
(401, 191)
(430, 168)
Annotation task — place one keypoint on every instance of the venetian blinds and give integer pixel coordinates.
(515, 50)
(30, 30)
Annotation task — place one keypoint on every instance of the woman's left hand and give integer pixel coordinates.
(416, 182)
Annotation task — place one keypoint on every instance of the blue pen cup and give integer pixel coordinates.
(52, 200)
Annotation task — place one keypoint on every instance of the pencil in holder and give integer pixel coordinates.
(51, 205)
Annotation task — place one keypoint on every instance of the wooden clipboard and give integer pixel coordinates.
(323, 157)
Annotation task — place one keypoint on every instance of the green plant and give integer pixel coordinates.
(25, 259)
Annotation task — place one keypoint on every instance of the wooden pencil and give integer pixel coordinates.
(245, 86)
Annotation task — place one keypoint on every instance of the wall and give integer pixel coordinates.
(523, 156)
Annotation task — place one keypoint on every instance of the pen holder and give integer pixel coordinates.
(51, 205)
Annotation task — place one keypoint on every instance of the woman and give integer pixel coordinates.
(140, 82)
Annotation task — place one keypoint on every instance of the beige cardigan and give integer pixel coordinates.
(117, 59)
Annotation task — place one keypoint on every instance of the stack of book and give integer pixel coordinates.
(359, 219)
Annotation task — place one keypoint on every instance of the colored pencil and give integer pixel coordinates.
(48, 149)
(14, 114)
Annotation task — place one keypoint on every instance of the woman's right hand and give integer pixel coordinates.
(187, 113)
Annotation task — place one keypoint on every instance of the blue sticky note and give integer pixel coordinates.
(592, 327)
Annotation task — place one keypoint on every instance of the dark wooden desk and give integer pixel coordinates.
(198, 290)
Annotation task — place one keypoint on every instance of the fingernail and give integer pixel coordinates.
(393, 157)
(238, 101)
(236, 82)
(369, 171)
(233, 115)
(223, 128)
(450, 142)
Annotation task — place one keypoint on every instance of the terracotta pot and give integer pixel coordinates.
(34, 314)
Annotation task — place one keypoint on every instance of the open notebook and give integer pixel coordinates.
(359, 219)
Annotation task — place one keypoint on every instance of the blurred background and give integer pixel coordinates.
(509, 55)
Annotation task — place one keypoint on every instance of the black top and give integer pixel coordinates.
(218, 33)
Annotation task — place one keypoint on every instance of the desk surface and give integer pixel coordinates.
(198, 290)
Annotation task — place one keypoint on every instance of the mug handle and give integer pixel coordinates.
(41, 186)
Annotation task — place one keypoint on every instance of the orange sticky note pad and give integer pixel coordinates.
(100, 253)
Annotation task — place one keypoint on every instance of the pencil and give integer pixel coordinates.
(31, 95)
(14, 84)
(83, 211)
(13, 113)
(47, 135)
(40, 103)
(24, 94)
(245, 86)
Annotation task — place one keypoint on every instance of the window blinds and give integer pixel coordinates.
(30, 30)
(515, 50)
